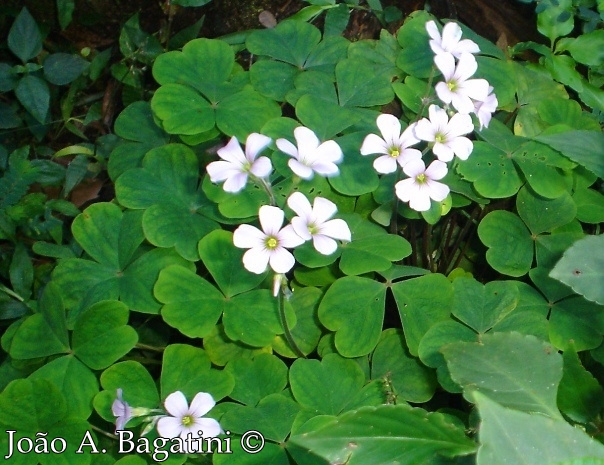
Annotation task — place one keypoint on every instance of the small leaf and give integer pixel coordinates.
(257, 378)
(63, 68)
(34, 95)
(24, 38)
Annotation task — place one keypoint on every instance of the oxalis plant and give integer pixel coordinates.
(325, 252)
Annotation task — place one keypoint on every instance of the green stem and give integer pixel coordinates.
(103, 432)
(142, 346)
(267, 188)
(11, 293)
(286, 331)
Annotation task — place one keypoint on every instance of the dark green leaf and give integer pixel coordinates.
(24, 38)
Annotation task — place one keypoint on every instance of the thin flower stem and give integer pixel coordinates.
(103, 432)
(395, 204)
(460, 238)
(11, 293)
(286, 331)
(267, 188)
(142, 346)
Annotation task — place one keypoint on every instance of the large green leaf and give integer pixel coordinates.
(543, 215)
(583, 147)
(515, 370)
(582, 268)
(63, 68)
(422, 302)
(167, 189)
(576, 321)
(34, 95)
(510, 436)
(361, 85)
(354, 308)
(257, 378)
(24, 38)
(386, 435)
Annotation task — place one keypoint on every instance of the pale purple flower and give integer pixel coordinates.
(314, 222)
(236, 166)
(311, 156)
(457, 89)
(269, 245)
(422, 185)
(393, 145)
(184, 419)
(484, 109)
(121, 410)
(444, 135)
(449, 42)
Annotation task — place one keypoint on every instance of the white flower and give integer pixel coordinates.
(393, 145)
(444, 135)
(449, 41)
(422, 185)
(121, 410)
(485, 108)
(236, 165)
(185, 420)
(457, 89)
(267, 247)
(313, 222)
(311, 156)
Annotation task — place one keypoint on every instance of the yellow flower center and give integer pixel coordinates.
(441, 138)
(313, 229)
(271, 243)
(452, 85)
(394, 152)
(421, 178)
(188, 420)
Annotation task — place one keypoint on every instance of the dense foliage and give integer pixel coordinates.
(318, 251)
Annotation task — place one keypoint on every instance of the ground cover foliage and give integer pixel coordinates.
(459, 321)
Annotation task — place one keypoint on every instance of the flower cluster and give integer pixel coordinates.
(179, 420)
(444, 133)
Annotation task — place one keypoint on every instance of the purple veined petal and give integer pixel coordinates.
(424, 130)
(210, 427)
(437, 170)
(406, 189)
(271, 219)
(420, 202)
(323, 209)
(256, 259)
(300, 205)
(460, 125)
(374, 144)
(446, 65)
(254, 144)
(385, 164)
(169, 427)
(328, 151)
(438, 190)
(300, 169)
(443, 152)
(235, 183)
(262, 167)
(390, 127)
(232, 152)
(414, 168)
(450, 36)
(462, 147)
(336, 229)
(300, 227)
(324, 245)
(307, 141)
(281, 260)
(467, 46)
(289, 238)
(221, 170)
(201, 404)
(326, 168)
(247, 236)
(287, 147)
(407, 156)
(176, 404)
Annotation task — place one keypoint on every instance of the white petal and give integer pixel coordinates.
(210, 427)
(300, 204)
(407, 156)
(374, 144)
(247, 236)
(406, 189)
(235, 183)
(436, 170)
(459, 125)
(176, 404)
(337, 229)
(443, 92)
(255, 260)
(462, 103)
(221, 170)
(424, 130)
(325, 168)
(305, 172)
(443, 152)
(385, 164)
(467, 45)
(477, 89)
(307, 140)
(390, 127)
(169, 427)
(324, 245)
(420, 201)
(462, 147)
(288, 237)
(438, 117)
(201, 404)
(254, 144)
(414, 168)
(432, 29)
(446, 64)
(281, 260)
(408, 138)
(328, 151)
(287, 147)
(271, 219)
(262, 167)
(438, 190)
(466, 66)
(323, 209)
(301, 228)
(232, 152)
(451, 35)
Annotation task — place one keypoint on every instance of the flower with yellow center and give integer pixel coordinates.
(421, 187)
(393, 145)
